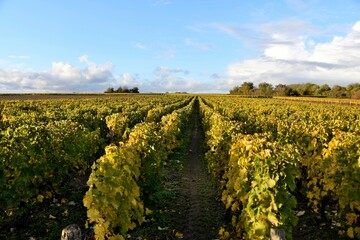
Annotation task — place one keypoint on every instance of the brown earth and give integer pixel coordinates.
(201, 212)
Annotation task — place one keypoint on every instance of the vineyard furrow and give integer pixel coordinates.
(202, 213)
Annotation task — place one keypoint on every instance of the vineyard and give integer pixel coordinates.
(276, 164)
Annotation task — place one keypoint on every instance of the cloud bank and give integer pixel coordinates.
(62, 77)
(290, 57)
(166, 79)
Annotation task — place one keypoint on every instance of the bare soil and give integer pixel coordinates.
(200, 211)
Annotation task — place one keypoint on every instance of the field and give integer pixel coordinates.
(178, 167)
(334, 101)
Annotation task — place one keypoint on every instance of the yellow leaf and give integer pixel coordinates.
(273, 219)
(48, 194)
(357, 231)
(179, 235)
(148, 211)
(351, 218)
(93, 214)
(40, 198)
(65, 213)
(350, 232)
(271, 183)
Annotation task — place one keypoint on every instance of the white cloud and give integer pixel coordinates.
(84, 58)
(20, 57)
(141, 46)
(166, 71)
(171, 79)
(167, 79)
(236, 32)
(341, 50)
(294, 51)
(202, 46)
(356, 27)
(126, 79)
(167, 54)
(61, 77)
(64, 77)
(291, 57)
(64, 71)
(283, 32)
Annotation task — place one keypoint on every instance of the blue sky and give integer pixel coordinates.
(176, 45)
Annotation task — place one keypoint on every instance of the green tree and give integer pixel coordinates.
(109, 90)
(353, 87)
(354, 90)
(280, 90)
(246, 88)
(308, 89)
(235, 90)
(324, 90)
(291, 92)
(266, 89)
(134, 90)
(338, 91)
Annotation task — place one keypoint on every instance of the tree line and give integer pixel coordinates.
(122, 90)
(304, 89)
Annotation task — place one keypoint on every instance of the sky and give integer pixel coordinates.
(196, 46)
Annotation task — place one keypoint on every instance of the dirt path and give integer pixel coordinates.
(201, 212)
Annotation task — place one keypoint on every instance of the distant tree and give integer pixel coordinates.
(353, 87)
(266, 89)
(119, 90)
(280, 90)
(134, 90)
(337, 88)
(338, 91)
(354, 90)
(307, 89)
(324, 90)
(123, 90)
(303, 89)
(109, 90)
(235, 90)
(246, 88)
(310, 89)
(356, 95)
(291, 92)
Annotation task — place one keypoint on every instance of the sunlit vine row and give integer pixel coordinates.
(257, 175)
(327, 138)
(128, 173)
(44, 143)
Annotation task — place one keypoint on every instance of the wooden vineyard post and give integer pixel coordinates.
(71, 232)
(277, 234)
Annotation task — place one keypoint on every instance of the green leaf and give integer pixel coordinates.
(290, 182)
